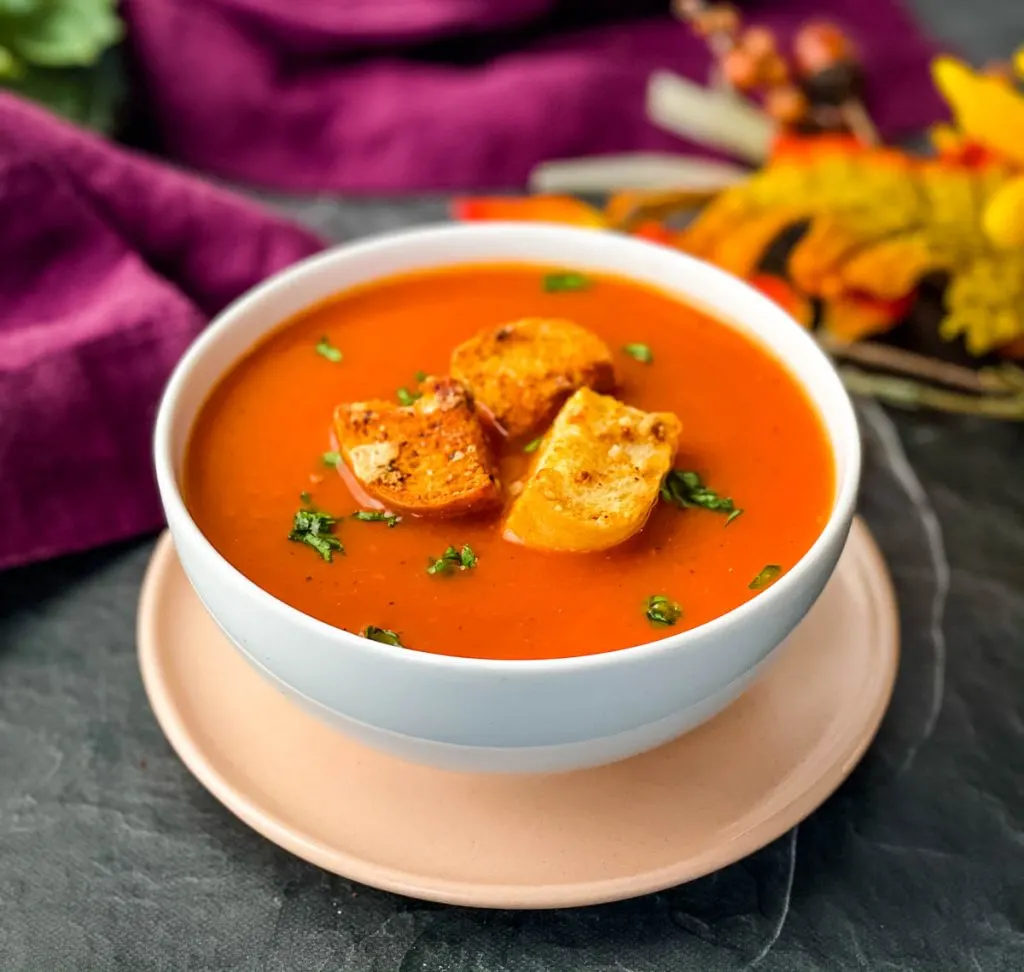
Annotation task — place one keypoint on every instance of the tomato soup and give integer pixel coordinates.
(256, 457)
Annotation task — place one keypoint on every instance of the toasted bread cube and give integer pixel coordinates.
(430, 458)
(520, 373)
(595, 477)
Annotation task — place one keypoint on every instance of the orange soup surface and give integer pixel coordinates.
(748, 430)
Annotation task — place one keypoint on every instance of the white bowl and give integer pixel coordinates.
(485, 715)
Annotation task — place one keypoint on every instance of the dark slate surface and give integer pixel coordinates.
(113, 857)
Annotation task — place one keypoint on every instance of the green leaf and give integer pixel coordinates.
(662, 611)
(383, 635)
(325, 349)
(376, 516)
(331, 458)
(420, 376)
(91, 97)
(316, 530)
(641, 352)
(406, 397)
(766, 577)
(20, 8)
(10, 66)
(685, 489)
(453, 559)
(60, 33)
(566, 281)
(533, 445)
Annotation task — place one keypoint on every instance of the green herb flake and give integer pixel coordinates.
(640, 352)
(533, 445)
(331, 458)
(686, 489)
(376, 516)
(406, 397)
(420, 376)
(384, 636)
(306, 498)
(453, 559)
(325, 349)
(566, 281)
(769, 574)
(662, 611)
(316, 530)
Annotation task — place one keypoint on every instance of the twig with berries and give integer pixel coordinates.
(832, 77)
(821, 89)
(717, 24)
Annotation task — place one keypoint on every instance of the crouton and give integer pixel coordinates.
(595, 477)
(521, 372)
(429, 458)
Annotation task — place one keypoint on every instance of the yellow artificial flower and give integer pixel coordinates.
(1003, 218)
(986, 109)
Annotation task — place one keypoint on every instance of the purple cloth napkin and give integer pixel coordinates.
(456, 94)
(109, 265)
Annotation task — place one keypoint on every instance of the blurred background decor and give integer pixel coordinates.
(63, 54)
(387, 95)
(908, 265)
(111, 856)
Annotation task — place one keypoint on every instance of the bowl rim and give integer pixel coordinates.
(425, 236)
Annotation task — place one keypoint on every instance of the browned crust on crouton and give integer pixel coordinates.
(521, 372)
(429, 458)
(595, 477)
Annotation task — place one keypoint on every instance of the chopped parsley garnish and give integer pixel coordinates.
(663, 611)
(376, 516)
(316, 530)
(769, 574)
(325, 349)
(384, 635)
(453, 559)
(533, 445)
(331, 458)
(306, 498)
(406, 397)
(566, 281)
(686, 489)
(640, 352)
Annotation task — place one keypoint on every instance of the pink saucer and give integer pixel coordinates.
(659, 819)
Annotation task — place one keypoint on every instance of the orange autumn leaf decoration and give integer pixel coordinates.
(854, 317)
(878, 221)
(874, 221)
(530, 209)
(786, 296)
(654, 231)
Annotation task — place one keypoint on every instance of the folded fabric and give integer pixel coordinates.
(109, 265)
(433, 94)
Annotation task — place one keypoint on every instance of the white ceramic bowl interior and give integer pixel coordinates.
(485, 715)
